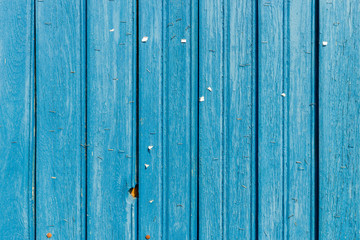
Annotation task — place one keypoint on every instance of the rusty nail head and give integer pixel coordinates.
(49, 235)
(147, 236)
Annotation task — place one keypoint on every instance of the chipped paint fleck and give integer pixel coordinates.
(145, 39)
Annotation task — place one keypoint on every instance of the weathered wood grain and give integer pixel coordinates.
(228, 114)
(111, 119)
(16, 120)
(286, 120)
(339, 120)
(60, 124)
(300, 109)
(227, 84)
(167, 119)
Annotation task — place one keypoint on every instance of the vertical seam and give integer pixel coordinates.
(137, 116)
(317, 117)
(35, 120)
(223, 128)
(198, 119)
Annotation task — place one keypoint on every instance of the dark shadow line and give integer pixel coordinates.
(35, 120)
(198, 119)
(137, 133)
(316, 131)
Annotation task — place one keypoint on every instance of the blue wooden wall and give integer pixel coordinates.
(186, 119)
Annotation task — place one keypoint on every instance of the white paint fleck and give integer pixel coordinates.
(183, 40)
(146, 165)
(151, 201)
(210, 89)
(150, 147)
(201, 99)
(112, 30)
(324, 43)
(144, 39)
(283, 94)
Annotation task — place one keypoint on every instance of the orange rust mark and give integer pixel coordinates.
(134, 191)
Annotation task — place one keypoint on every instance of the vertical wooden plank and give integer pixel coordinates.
(211, 120)
(16, 120)
(227, 70)
(151, 187)
(167, 112)
(339, 120)
(286, 120)
(111, 118)
(271, 119)
(60, 125)
(239, 96)
(300, 108)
